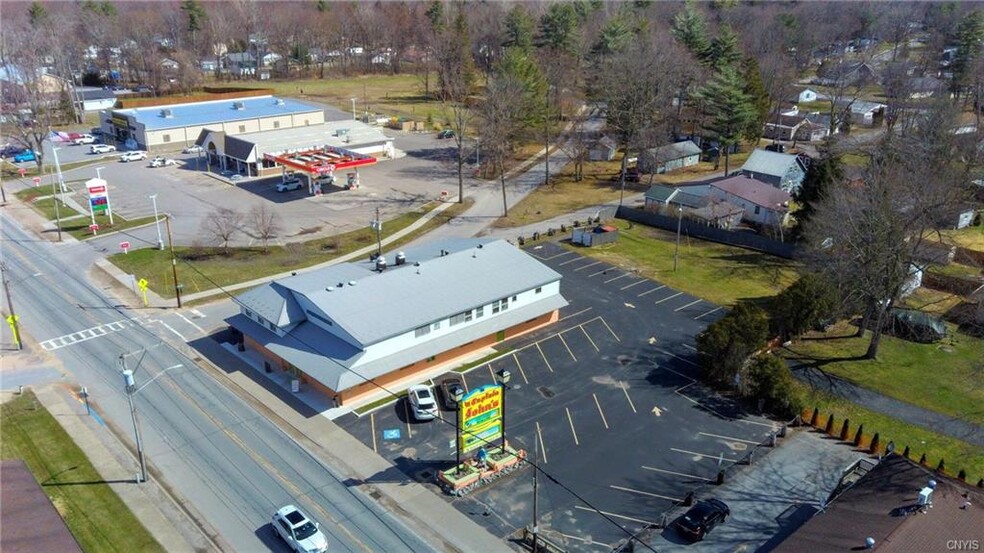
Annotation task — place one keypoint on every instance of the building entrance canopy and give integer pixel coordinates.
(321, 161)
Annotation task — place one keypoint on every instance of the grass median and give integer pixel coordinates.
(206, 268)
(714, 272)
(95, 515)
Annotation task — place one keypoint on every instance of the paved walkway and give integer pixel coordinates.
(906, 412)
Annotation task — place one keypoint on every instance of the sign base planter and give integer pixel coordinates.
(473, 476)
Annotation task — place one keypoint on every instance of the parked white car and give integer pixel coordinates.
(101, 148)
(161, 161)
(194, 149)
(301, 533)
(422, 402)
(84, 139)
(135, 155)
(289, 184)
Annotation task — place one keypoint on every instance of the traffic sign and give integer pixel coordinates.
(142, 283)
(37, 181)
(94, 227)
(22, 171)
(124, 245)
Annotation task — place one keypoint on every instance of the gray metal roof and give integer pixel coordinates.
(769, 163)
(660, 192)
(671, 152)
(274, 303)
(304, 137)
(382, 305)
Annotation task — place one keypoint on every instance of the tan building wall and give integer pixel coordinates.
(273, 123)
(241, 127)
(407, 374)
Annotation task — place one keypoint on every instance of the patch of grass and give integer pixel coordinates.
(479, 362)
(934, 302)
(944, 377)
(970, 237)
(206, 268)
(715, 272)
(80, 228)
(956, 270)
(46, 207)
(958, 454)
(95, 515)
(369, 407)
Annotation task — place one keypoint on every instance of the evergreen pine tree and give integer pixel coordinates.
(728, 108)
(690, 28)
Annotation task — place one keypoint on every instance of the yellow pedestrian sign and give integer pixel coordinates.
(12, 321)
(142, 283)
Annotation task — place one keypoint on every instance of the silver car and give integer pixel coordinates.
(422, 402)
(300, 532)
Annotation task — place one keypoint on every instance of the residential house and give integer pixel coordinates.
(691, 196)
(722, 215)
(762, 203)
(783, 171)
(209, 65)
(925, 87)
(840, 73)
(347, 329)
(669, 157)
(240, 64)
(168, 65)
(602, 149)
(95, 98)
(800, 127)
(806, 95)
(864, 113)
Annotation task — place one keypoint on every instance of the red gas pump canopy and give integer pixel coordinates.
(321, 161)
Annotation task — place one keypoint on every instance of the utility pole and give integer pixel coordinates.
(12, 318)
(174, 262)
(130, 387)
(536, 459)
(53, 196)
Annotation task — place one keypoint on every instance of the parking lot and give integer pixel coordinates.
(609, 392)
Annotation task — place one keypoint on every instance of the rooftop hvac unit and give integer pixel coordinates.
(239, 106)
(167, 113)
(400, 258)
(280, 102)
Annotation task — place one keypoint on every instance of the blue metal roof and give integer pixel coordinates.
(217, 111)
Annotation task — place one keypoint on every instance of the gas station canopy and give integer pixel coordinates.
(321, 161)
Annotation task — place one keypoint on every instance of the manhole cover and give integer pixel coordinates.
(545, 392)
(425, 475)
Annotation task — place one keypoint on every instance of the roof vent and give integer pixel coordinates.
(480, 246)
(400, 258)
(381, 263)
(167, 113)
(340, 285)
(239, 106)
(293, 273)
(280, 102)
(474, 254)
(330, 289)
(351, 283)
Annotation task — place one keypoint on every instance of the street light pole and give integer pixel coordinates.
(12, 318)
(130, 387)
(354, 117)
(62, 185)
(174, 262)
(676, 251)
(157, 221)
(457, 393)
(504, 377)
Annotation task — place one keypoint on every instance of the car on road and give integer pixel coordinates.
(446, 389)
(26, 155)
(84, 139)
(702, 518)
(446, 133)
(289, 184)
(10, 150)
(422, 402)
(101, 148)
(193, 149)
(631, 175)
(300, 532)
(161, 161)
(136, 155)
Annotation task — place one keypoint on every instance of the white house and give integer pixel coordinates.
(349, 328)
(806, 95)
(763, 203)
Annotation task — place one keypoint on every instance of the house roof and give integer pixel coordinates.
(30, 522)
(752, 190)
(669, 152)
(882, 505)
(769, 163)
(716, 210)
(92, 93)
(216, 111)
(692, 196)
(382, 305)
(240, 57)
(606, 142)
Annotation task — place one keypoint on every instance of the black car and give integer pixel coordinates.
(446, 390)
(446, 133)
(702, 518)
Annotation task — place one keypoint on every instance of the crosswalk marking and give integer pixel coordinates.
(84, 335)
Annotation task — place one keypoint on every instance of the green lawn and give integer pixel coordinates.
(95, 515)
(46, 207)
(969, 237)
(79, 228)
(956, 453)
(947, 377)
(201, 269)
(715, 272)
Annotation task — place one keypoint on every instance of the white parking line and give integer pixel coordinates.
(198, 313)
(406, 413)
(688, 346)
(610, 329)
(543, 446)
(626, 391)
(640, 492)
(566, 346)
(608, 514)
(372, 424)
(521, 371)
(165, 325)
(598, 273)
(638, 282)
(491, 372)
(600, 412)
(574, 314)
(709, 312)
(719, 456)
(571, 421)
(549, 368)
(575, 260)
(668, 298)
(187, 320)
(588, 265)
(688, 305)
(618, 277)
(728, 438)
(694, 476)
(589, 338)
(647, 292)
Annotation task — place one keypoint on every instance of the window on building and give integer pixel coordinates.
(242, 128)
(314, 315)
(514, 298)
(460, 318)
(538, 289)
(436, 326)
(272, 326)
(276, 124)
(757, 209)
(248, 313)
(421, 331)
(479, 311)
(500, 305)
(431, 358)
(166, 138)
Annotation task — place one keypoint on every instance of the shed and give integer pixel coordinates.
(600, 234)
(915, 326)
(669, 157)
(602, 149)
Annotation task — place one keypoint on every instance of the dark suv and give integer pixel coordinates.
(702, 518)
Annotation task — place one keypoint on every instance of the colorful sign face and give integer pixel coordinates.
(480, 417)
(98, 195)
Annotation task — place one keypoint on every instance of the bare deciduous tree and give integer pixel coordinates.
(501, 124)
(264, 223)
(221, 225)
(576, 147)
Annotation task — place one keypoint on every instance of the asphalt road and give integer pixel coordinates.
(225, 460)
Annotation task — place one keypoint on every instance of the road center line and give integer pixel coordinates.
(626, 392)
(543, 446)
(728, 438)
(571, 421)
(600, 412)
(549, 368)
(640, 492)
(636, 283)
(608, 514)
(589, 338)
(668, 298)
(647, 292)
(681, 308)
(695, 477)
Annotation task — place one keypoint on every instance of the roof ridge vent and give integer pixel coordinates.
(351, 283)
(330, 289)
(280, 102)
(167, 113)
(239, 106)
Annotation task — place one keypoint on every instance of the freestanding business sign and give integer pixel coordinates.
(98, 198)
(480, 417)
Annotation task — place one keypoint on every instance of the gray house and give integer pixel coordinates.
(783, 171)
(669, 157)
(240, 64)
(602, 149)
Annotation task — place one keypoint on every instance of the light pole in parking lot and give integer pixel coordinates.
(676, 251)
(354, 117)
(157, 221)
(504, 377)
(457, 393)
